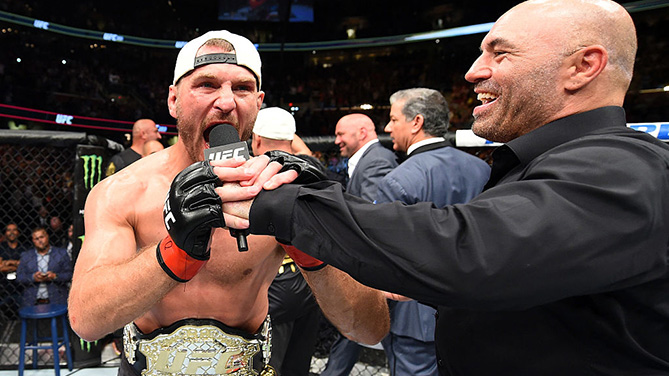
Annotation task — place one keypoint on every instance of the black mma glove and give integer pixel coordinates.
(306, 172)
(192, 210)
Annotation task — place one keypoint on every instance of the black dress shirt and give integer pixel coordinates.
(558, 268)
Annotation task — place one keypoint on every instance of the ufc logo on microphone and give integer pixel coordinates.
(227, 154)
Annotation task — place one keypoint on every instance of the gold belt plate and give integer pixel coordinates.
(199, 350)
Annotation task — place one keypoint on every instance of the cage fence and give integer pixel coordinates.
(36, 191)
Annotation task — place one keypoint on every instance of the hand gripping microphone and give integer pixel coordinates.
(224, 144)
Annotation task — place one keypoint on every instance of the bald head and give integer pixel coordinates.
(260, 145)
(142, 131)
(544, 60)
(352, 132)
(582, 23)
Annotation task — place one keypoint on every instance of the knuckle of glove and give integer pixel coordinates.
(195, 174)
(306, 172)
(277, 156)
(200, 196)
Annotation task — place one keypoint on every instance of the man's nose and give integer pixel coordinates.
(479, 71)
(225, 100)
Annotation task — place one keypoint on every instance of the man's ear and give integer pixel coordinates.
(362, 133)
(172, 101)
(585, 65)
(417, 124)
(259, 99)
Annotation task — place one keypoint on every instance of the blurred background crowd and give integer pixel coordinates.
(86, 77)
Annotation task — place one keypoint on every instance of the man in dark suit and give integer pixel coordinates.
(356, 137)
(433, 172)
(368, 163)
(44, 271)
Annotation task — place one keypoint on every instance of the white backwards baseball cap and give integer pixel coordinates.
(275, 123)
(245, 55)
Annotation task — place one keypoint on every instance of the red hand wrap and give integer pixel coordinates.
(176, 262)
(302, 259)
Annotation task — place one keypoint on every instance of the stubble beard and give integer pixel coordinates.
(521, 107)
(189, 137)
(192, 137)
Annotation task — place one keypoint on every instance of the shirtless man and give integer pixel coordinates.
(128, 270)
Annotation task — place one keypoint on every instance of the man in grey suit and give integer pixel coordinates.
(433, 172)
(368, 163)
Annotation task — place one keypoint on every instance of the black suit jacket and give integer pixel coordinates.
(375, 163)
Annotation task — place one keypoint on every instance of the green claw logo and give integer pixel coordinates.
(86, 346)
(92, 170)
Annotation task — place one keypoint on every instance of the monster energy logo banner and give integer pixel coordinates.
(92, 170)
(86, 346)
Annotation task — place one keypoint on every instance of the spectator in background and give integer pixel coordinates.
(368, 163)
(274, 129)
(292, 307)
(43, 219)
(44, 271)
(10, 254)
(433, 172)
(70, 240)
(142, 131)
(57, 233)
(11, 248)
(151, 147)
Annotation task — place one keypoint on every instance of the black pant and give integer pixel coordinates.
(295, 319)
(125, 369)
(293, 344)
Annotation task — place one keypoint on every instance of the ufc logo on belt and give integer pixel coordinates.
(188, 364)
(199, 350)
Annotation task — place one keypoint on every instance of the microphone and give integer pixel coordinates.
(224, 144)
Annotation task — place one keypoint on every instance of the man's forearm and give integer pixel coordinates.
(360, 313)
(106, 298)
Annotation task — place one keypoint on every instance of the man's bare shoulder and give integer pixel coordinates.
(143, 179)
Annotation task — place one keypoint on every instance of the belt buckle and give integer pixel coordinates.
(191, 350)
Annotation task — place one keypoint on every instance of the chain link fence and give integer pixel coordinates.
(36, 191)
(44, 179)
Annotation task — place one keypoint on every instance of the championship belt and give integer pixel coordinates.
(198, 347)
